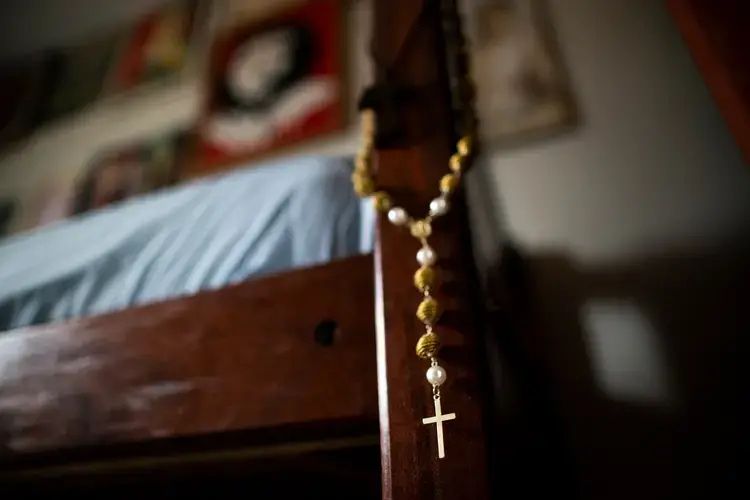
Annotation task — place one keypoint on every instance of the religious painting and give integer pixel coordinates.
(118, 174)
(159, 46)
(273, 84)
(522, 90)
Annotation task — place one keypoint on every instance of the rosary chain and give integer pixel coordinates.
(426, 278)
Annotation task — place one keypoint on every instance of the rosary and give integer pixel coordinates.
(426, 276)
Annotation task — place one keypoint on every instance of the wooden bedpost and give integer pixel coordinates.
(411, 467)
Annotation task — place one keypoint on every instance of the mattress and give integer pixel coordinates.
(179, 241)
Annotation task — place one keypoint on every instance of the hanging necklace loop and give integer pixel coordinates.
(377, 111)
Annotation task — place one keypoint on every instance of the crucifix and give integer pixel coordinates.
(438, 420)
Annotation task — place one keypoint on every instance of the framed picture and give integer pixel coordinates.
(159, 45)
(112, 176)
(272, 84)
(522, 88)
(118, 174)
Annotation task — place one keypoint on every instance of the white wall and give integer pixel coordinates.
(631, 227)
(652, 163)
(628, 224)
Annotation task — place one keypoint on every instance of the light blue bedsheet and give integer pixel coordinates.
(176, 242)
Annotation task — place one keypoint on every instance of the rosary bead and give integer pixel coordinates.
(362, 164)
(368, 120)
(436, 375)
(424, 278)
(464, 146)
(428, 345)
(363, 185)
(382, 201)
(439, 206)
(398, 216)
(421, 229)
(426, 256)
(456, 162)
(448, 183)
(428, 311)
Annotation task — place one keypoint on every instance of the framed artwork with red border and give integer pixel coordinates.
(159, 45)
(273, 83)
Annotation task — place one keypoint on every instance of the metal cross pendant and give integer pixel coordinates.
(438, 420)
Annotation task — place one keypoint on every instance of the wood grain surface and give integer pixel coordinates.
(411, 468)
(242, 357)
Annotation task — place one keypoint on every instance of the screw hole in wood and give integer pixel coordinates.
(326, 332)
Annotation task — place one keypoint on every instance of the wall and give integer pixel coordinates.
(629, 224)
(35, 24)
(57, 154)
(632, 228)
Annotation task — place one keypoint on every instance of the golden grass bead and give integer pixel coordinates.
(366, 143)
(448, 183)
(364, 189)
(368, 136)
(362, 164)
(382, 201)
(457, 162)
(421, 229)
(359, 177)
(428, 345)
(368, 117)
(424, 278)
(464, 146)
(363, 185)
(368, 129)
(428, 311)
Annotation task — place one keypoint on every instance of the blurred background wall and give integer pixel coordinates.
(634, 225)
(59, 152)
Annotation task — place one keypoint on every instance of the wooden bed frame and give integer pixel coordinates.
(312, 370)
(308, 379)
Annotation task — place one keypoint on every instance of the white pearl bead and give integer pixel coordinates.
(439, 206)
(397, 216)
(436, 375)
(426, 256)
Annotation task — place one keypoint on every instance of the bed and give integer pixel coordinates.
(211, 233)
(244, 369)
